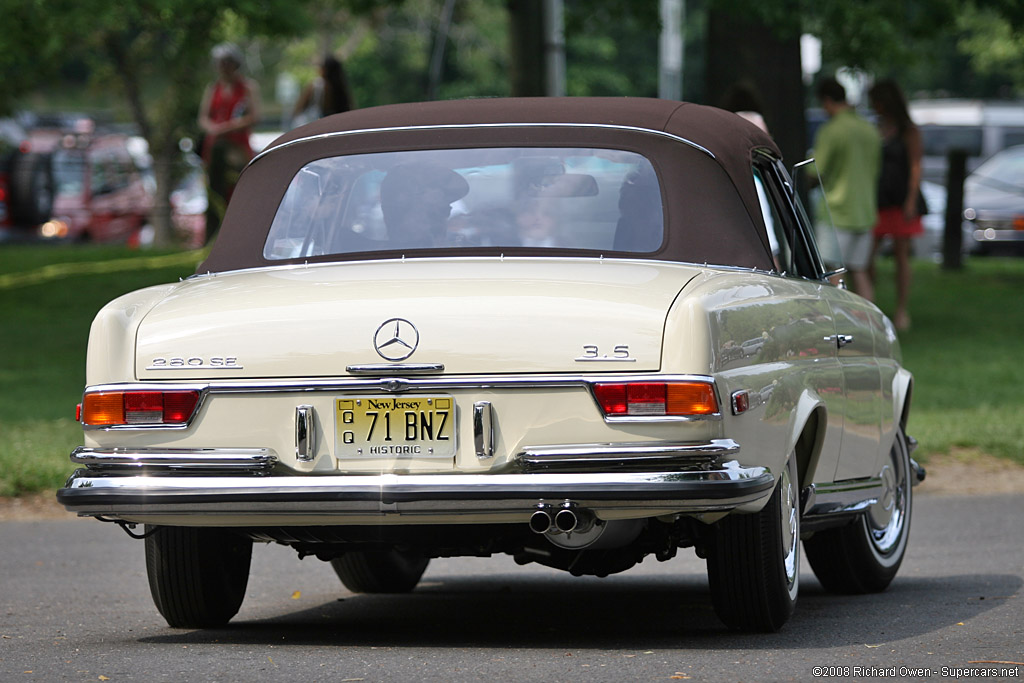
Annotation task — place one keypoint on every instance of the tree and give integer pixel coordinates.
(154, 52)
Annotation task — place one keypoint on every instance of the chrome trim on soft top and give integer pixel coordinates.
(464, 126)
(500, 259)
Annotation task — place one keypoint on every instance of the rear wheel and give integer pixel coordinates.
(380, 571)
(754, 561)
(863, 557)
(197, 576)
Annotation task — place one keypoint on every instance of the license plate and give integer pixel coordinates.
(386, 426)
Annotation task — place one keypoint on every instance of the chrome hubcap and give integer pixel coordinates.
(887, 517)
(790, 533)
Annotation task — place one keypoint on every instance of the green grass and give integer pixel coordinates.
(47, 303)
(963, 349)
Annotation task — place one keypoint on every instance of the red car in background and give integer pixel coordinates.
(101, 194)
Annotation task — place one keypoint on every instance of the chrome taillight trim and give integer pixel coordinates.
(412, 383)
(201, 388)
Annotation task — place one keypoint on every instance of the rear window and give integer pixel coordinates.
(544, 198)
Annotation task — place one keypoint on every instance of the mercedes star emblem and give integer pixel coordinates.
(396, 339)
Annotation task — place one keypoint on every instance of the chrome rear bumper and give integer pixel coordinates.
(337, 497)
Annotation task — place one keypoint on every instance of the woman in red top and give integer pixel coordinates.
(230, 107)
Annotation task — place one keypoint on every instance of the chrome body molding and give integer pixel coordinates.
(618, 456)
(132, 460)
(827, 505)
(383, 495)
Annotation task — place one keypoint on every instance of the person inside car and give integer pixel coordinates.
(416, 200)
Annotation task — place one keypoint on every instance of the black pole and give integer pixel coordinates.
(952, 239)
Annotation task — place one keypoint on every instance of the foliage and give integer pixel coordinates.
(386, 47)
(129, 45)
(609, 50)
(996, 46)
(928, 44)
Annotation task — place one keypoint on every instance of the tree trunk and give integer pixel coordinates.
(526, 47)
(740, 49)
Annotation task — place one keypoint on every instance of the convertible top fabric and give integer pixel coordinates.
(712, 212)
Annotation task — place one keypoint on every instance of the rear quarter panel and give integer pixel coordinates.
(787, 368)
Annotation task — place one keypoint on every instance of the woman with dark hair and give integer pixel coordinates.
(899, 187)
(327, 94)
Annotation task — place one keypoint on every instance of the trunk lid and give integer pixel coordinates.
(474, 316)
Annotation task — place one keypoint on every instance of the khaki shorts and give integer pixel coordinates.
(855, 247)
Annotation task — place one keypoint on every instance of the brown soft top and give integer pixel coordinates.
(712, 210)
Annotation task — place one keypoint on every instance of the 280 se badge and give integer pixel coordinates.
(195, 362)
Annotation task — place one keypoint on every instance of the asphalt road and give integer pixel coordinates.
(75, 605)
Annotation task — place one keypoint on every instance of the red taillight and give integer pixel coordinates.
(110, 408)
(656, 399)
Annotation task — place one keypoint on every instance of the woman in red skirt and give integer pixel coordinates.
(900, 203)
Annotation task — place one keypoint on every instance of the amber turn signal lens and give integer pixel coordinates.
(103, 408)
(691, 398)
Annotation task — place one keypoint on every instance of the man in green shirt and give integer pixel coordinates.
(848, 153)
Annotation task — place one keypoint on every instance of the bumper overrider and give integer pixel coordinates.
(143, 484)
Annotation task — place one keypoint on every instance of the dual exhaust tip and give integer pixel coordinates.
(567, 518)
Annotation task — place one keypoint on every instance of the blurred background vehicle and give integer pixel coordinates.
(994, 203)
(979, 127)
(101, 194)
(929, 245)
(26, 183)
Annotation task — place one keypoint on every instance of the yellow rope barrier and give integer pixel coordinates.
(56, 271)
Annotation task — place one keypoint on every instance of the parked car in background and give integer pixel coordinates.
(26, 183)
(929, 245)
(979, 127)
(994, 202)
(101, 193)
(555, 328)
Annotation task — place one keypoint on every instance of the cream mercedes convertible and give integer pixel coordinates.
(580, 332)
